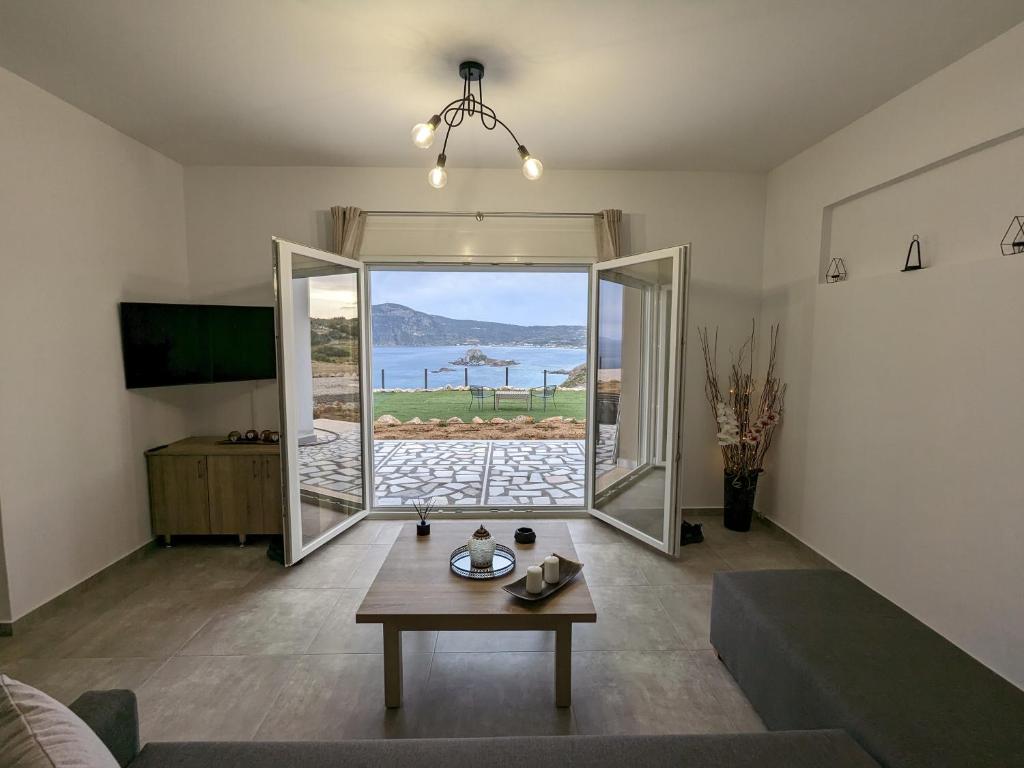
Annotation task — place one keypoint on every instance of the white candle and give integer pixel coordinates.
(551, 569)
(534, 580)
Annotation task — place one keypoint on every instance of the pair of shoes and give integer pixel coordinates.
(693, 533)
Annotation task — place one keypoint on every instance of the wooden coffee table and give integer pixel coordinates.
(416, 590)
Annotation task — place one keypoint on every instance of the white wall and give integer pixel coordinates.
(89, 218)
(5, 593)
(232, 212)
(899, 457)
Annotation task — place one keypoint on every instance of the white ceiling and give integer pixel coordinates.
(690, 84)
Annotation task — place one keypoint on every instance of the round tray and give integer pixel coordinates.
(504, 563)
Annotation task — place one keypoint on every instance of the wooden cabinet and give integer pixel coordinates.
(245, 494)
(178, 498)
(199, 486)
(273, 495)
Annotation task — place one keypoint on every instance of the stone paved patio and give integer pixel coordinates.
(539, 473)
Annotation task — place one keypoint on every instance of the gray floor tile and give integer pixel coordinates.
(334, 697)
(368, 566)
(270, 621)
(43, 639)
(628, 618)
(211, 698)
(491, 642)
(727, 693)
(329, 567)
(492, 694)
(341, 634)
(196, 564)
(720, 538)
(595, 532)
(773, 555)
(641, 692)
(368, 532)
(690, 568)
(67, 679)
(610, 565)
(151, 622)
(211, 637)
(47, 629)
(689, 610)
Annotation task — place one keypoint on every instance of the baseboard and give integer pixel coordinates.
(701, 511)
(54, 604)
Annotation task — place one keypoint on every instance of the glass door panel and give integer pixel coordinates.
(636, 394)
(321, 334)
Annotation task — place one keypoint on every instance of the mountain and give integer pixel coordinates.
(395, 325)
(334, 340)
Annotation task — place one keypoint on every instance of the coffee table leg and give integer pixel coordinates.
(392, 666)
(563, 666)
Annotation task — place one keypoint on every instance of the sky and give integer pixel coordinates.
(520, 298)
(332, 296)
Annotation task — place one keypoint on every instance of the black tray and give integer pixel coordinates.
(504, 559)
(567, 571)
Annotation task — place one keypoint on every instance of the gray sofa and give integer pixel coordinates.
(113, 715)
(819, 649)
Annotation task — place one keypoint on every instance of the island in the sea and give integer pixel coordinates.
(476, 356)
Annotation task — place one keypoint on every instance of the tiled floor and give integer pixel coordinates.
(455, 472)
(221, 643)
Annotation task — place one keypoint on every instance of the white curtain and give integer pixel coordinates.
(608, 230)
(347, 232)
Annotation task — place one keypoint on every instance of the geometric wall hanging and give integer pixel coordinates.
(836, 271)
(915, 243)
(1013, 240)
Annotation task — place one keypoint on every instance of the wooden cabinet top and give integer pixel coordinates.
(211, 446)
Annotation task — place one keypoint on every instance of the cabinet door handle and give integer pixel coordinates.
(199, 469)
(255, 472)
(267, 464)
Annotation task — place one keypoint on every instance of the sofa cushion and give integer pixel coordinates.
(817, 749)
(819, 649)
(37, 731)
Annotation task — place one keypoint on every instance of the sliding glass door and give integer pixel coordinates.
(325, 401)
(635, 391)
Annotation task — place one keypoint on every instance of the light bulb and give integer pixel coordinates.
(438, 176)
(423, 133)
(532, 168)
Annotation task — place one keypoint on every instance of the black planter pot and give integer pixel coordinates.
(422, 529)
(740, 488)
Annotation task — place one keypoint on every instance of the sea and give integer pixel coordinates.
(403, 366)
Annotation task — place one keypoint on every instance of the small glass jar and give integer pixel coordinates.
(481, 549)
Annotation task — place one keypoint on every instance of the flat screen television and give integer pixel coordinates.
(169, 344)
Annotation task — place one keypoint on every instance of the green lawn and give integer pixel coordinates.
(444, 405)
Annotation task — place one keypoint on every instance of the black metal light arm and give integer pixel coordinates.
(454, 113)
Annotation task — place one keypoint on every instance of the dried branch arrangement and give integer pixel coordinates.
(747, 415)
(424, 508)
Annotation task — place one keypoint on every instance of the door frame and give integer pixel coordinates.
(669, 542)
(291, 524)
(492, 264)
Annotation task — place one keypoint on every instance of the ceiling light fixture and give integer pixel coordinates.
(452, 116)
